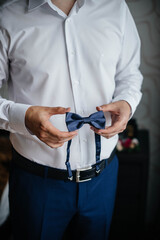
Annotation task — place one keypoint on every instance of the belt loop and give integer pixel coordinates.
(45, 172)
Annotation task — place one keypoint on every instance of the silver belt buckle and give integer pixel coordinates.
(78, 174)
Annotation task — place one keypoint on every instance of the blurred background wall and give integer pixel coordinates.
(146, 14)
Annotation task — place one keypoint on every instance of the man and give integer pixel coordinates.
(59, 56)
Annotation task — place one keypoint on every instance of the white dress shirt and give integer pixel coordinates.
(86, 59)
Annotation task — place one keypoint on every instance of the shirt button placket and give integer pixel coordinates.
(70, 45)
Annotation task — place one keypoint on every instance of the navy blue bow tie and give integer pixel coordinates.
(74, 122)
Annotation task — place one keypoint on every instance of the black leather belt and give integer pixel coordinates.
(79, 175)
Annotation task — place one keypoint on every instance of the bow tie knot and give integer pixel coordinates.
(86, 120)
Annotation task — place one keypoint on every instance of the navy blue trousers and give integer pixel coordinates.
(47, 209)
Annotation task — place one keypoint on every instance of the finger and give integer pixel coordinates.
(66, 139)
(54, 145)
(117, 127)
(104, 134)
(66, 135)
(114, 129)
(50, 133)
(111, 107)
(108, 135)
(96, 130)
(56, 132)
(59, 110)
(54, 140)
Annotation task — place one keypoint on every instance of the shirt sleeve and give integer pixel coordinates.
(128, 78)
(12, 115)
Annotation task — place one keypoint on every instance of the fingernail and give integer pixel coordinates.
(99, 108)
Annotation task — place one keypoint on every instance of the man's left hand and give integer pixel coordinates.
(120, 114)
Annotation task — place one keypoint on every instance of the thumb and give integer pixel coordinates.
(107, 107)
(58, 110)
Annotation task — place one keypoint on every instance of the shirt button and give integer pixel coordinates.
(72, 53)
(84, 140)
(76, 82)
(68, 20)
(82, 112)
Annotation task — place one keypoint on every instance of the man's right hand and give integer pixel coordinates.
(37, 121)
